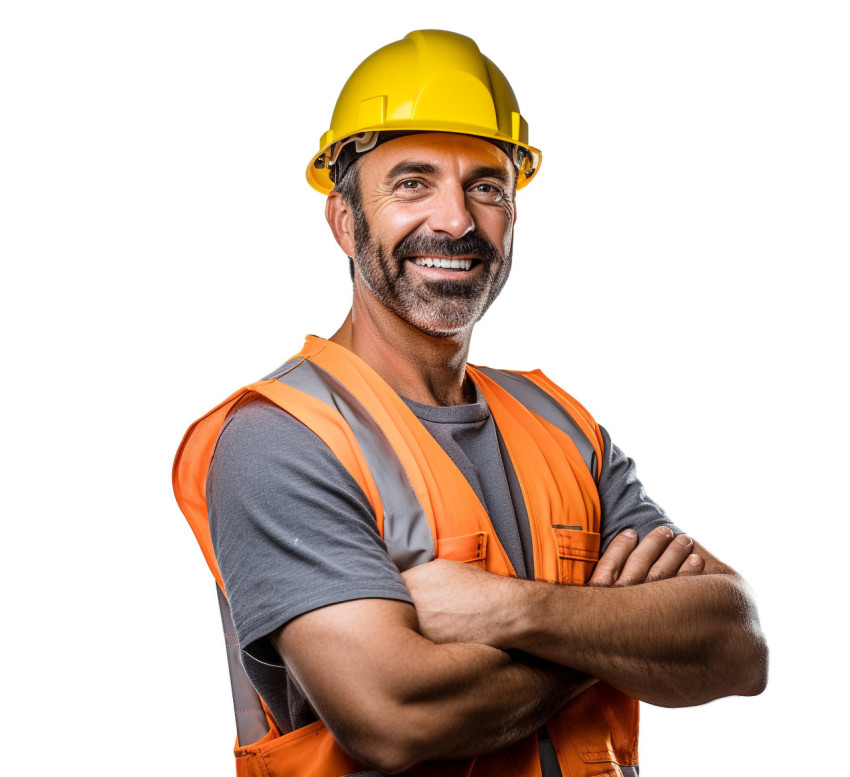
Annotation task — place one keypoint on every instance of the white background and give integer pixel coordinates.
(679, 267)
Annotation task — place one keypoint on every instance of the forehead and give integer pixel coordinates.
(446, 152)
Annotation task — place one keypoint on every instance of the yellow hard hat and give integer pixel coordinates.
(431, 81)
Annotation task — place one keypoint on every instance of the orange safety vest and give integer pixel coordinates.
(425, 508)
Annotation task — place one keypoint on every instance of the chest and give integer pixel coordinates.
(512, 497)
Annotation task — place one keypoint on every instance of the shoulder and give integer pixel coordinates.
(625, 503)
(261, 447)
(291, 529)
(537, 393)
(257, 423)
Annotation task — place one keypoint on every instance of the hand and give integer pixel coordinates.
(454, 601)
(658, 557)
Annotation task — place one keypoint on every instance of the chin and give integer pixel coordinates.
(442, 334)
(444, 327)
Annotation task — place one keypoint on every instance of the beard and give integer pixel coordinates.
(440, 308)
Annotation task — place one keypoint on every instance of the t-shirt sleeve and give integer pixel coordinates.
(291, 529)
(624, 500)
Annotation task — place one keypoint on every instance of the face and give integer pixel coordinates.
(433, 244)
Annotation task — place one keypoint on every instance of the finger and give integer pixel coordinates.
(615, 556)
(693, 565)
(645, 555)
(671, 559)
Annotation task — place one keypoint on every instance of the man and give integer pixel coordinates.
(373, 453)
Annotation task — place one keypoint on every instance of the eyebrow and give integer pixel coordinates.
(490, 172)
(424, 168)
(406, 168)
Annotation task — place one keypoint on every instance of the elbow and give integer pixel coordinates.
(754, 669)
(735, 665)
(386, 760)
(746, 647)
(391, 755)
(388, 745)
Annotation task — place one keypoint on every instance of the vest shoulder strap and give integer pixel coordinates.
(537, 393)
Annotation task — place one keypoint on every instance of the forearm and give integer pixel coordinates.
(470, 699)
(675, 642)
(404, 699)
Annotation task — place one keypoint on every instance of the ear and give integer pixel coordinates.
(341, 221)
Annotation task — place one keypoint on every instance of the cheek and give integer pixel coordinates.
(396, 223)
(495, 223)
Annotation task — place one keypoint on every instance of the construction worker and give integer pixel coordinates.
(387, 521)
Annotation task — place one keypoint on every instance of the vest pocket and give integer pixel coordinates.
(310, 751)
(468, 548)
(578, 552)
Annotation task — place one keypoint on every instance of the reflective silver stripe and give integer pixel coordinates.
(251, 723)
(538, 401)
(630, 771)
(406, 531)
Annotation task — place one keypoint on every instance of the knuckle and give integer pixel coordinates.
(601, 578)
(625, 582)
(617, 546)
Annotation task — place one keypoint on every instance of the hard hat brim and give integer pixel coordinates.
(319, 176)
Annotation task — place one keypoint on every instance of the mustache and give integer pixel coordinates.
(431, 244)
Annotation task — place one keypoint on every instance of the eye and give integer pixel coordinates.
(487, 192)
(410, 186)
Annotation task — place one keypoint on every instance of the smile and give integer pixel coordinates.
(444, 263)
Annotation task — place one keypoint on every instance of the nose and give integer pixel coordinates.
(450, 214)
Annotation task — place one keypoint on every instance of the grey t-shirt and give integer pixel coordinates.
(293, 531)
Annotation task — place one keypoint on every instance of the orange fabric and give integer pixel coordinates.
(576, 410)
(555, 481)
(595, 731)
(191, 464)
(440, 486)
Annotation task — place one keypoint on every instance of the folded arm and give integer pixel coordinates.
(673, 642)
(296, 539)
(393, 698)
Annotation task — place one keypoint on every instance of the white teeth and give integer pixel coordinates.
(446, 264)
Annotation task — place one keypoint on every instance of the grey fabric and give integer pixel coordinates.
(630, 771)
(469, 436)
(538, 401)
(623, 497)
(523, 525)
(293, 531)
(251, 724)
(284, 368)
(406, 531)
(282, 694)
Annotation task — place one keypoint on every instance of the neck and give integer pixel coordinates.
(430, 370)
